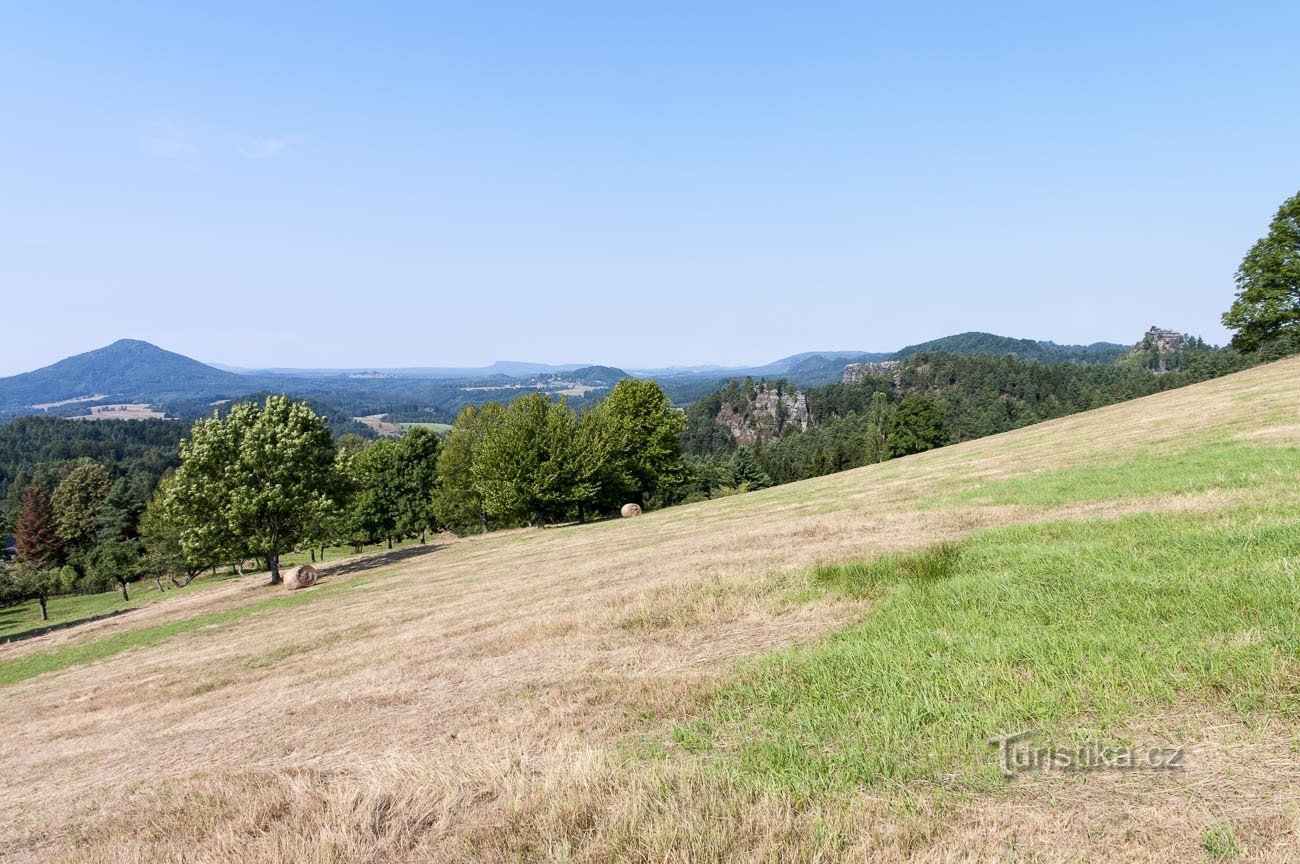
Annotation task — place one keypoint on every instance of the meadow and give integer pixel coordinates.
(807, 673)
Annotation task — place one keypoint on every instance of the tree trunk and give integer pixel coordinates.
(157, 580)
(422, 536)
(313, 554)
(273, 564)
(45, 615)
(482, 515)
(125, 597)
(390, 542)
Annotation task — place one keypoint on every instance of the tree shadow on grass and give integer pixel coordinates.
(375, 560)
(11, 614)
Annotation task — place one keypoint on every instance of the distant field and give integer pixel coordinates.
(806, 673)
(378, 424)
(439, 428)
(124, 411)
(392, 430)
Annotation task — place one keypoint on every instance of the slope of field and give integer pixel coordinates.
(741, 679)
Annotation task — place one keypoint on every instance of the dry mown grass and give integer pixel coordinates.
(485, 701)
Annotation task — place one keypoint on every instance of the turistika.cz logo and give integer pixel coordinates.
(1016, 757)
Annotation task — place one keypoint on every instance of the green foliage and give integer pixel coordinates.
(417, 466)
(76, 502)
(1025, 349)
(171, 544)
(916, 426)
(44, 450)
(29, 582)
(1267, 309)
(375, 500)
(457, 502)
(641, 432)
(740, 473)
(262, 480)
(534, 466)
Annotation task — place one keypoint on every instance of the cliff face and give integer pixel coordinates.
(764, 414)
(855, 372)
(1161, 350)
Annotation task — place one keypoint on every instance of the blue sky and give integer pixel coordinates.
(638, 185)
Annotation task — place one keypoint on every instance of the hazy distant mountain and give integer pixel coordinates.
(133, 371)
(126, 371)
(1026, 349)
(512, 368)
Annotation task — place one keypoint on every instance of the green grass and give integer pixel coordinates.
(1219, 841)
(439, 428)
(22, 668)
(1068, 628)
(1221, 465)
(64, 610)
(70, 608)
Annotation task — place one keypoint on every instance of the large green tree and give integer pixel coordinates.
(535, 466)
(257, 481)
(1266, 313)
(376, 497)
(642, 432)
(76, 502)
(173, 548)
(417, 478)
(457, 502)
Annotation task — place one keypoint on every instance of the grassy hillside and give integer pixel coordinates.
(810, 672)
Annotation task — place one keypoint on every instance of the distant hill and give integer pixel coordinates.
(1026, 349)
(509, 368)
(131, 370)
(126, 371)
(593, 376)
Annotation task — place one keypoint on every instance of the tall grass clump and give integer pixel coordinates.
(858, 578)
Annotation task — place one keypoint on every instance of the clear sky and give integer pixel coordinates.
(631, 184)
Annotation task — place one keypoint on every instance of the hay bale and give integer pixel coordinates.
(630, 510)
(300, 577)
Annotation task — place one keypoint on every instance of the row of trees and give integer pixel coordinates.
(270, 478)
(535, 461)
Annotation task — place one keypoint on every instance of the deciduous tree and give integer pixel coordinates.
(642, 433)
(257, 481)
(1266, 312)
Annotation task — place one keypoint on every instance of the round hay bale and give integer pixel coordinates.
(303, 576)
(630, 510)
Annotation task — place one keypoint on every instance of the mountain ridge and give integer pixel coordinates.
(133, 370)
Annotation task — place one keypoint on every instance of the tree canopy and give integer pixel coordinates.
(1266, 313)
(257, 481)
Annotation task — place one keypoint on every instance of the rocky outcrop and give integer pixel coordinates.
(1161, 341)
(764, 416)
(857, 372)
(1160, 349)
